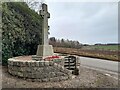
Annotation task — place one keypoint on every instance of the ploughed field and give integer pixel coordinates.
(94, 53)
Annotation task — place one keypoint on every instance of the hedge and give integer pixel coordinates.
(21, 30)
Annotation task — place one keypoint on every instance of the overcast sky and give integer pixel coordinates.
(88, 21)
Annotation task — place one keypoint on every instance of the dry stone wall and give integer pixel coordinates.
(38, 70)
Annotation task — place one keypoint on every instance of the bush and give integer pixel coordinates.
(21, 30)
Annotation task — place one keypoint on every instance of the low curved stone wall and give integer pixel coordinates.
(38, 70)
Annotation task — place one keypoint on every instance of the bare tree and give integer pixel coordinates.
(35, 4)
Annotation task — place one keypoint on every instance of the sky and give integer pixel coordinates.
(88, 22)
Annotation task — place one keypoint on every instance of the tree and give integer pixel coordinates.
(64, 43)
(52, 41)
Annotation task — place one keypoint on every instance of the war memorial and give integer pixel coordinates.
(45, 65)
(30, 59)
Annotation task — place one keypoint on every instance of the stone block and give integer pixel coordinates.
(10, 67)
(10, 61)
(42, 64)
(39, 80)
(28, 69)
(70, 76)
(21, 63)
(9, 70)
(37, 76)
(55, 65)
(55, 79)
(29, 75)
(14, 63)
(64, 78)
(25, 74)
(51, 63)
(20, 74)
(62, 68)
(45, 80)
(18, 63)
(52, 74)
(37, 64)
(40, 69)
(60, 74)
(27, 64)
(13, 68)
(32, 64)
(33, 76)
(34, 69)
(46, 63)
(22, 69)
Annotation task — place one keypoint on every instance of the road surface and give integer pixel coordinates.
(99, 64)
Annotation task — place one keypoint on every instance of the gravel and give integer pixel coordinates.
(87, 78)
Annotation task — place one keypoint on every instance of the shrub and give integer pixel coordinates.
(21, 30)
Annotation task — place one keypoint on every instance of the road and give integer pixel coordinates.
(100, 64)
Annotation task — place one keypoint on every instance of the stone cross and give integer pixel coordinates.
(45, 15)
(45, 49)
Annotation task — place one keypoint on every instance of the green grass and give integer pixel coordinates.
(102, 47)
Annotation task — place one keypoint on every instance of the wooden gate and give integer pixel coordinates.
(70, 62)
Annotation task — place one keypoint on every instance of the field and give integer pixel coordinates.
(102, 47)
(94, 53)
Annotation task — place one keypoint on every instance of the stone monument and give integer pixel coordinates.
(45, 49)
(37, 67)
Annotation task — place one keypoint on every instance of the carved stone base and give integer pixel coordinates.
(43, 51)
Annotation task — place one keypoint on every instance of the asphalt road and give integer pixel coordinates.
(99, 64)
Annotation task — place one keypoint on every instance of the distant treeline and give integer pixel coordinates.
(100, 44)
(108, 44)
(64, 43)
(73, 44)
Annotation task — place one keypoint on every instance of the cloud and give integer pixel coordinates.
(87, 22)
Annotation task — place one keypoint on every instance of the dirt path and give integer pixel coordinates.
(87, 78)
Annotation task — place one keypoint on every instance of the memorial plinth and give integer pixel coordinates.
(45, 50)
(41, 71)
